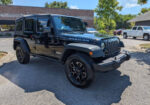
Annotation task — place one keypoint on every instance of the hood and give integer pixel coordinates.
(85, 37)
(90, 36)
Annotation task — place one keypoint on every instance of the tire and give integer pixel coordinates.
(22, 57)
(134, 37)
(79, 70)
(125, 36)
(146, 37)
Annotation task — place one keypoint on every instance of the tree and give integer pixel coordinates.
(122, 21)
(6, 2)
(144, 10)
(107, 12)
(142, 2)
(56, 4)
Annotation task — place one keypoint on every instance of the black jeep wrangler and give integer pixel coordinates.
(65, 38)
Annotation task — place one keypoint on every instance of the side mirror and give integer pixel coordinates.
(86, 24)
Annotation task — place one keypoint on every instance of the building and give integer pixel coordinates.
(142, 20)
(8, 14)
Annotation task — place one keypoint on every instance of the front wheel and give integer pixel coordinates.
(79, 70)
(22, 56)
(125, 36)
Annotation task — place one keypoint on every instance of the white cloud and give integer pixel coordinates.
(131, 5)
(128, 3)
(73, 7)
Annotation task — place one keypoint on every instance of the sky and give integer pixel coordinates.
(129, 6)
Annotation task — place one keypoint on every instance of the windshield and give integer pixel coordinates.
(146, 28)
(68, 24)
(91, 29)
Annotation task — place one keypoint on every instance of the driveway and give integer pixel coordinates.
(43, 82)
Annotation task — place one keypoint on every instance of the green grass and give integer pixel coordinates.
(145, 46)
(2, 54)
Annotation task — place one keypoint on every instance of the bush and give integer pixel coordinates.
(102, 32)
(107, 32)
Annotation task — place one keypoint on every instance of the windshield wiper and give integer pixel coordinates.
(67, 31)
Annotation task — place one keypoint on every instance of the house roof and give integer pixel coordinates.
(13, 12)
(143, 17)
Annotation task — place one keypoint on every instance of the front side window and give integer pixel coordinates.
(68, 24)
(42, 23)
(19, 25)
(29, 25)
(134, 28)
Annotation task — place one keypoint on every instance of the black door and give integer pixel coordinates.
(29, 32)
(44, 45)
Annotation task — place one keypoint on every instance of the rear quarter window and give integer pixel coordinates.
(19, 25)
(29, 25)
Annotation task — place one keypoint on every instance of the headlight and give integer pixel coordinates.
(102, 45)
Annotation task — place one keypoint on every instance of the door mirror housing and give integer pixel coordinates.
(86, 24)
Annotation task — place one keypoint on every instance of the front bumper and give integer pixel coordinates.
(111, 63)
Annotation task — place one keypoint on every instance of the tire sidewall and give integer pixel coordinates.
(147, 37)
(125, 36)
(26, 58)
(90, 71)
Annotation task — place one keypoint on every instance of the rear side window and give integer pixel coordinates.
(140, 28)
(29, 25)
(42, 23)
(19, 25)
(134, 28)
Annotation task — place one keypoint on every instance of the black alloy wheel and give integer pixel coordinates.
(125, 36)
(22, 57)
(79, 71)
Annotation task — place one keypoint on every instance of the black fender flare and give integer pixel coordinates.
(22, 43)
(85, 48)
(121, 44)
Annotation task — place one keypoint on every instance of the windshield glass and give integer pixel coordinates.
(91, 29)
(68, 24)
(146, 28)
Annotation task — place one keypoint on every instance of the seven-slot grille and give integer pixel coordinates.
(111, 46)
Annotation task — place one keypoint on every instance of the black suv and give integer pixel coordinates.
(65, 38)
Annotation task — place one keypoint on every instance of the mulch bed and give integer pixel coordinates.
(2, 54)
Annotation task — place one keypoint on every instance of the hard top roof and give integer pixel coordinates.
(34, 15)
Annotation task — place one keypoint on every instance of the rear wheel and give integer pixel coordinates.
(134, 37)
(146, 37)
(125, 36)
(79, 70)
(22, 56)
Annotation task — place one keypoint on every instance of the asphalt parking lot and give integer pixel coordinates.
(43, 82)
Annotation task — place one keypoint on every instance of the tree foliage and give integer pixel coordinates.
(56, 4)
(107, 12)
(142, 2)
(122, 21)
(144, 10)
(6, 2)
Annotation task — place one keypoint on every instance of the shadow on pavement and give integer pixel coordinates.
(41, 75)
(141, 57)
